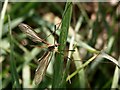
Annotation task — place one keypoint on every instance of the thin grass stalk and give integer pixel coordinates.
(14, 74)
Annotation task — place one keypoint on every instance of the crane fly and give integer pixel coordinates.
(45, 59)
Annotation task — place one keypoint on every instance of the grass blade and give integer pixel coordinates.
(58, 67)
(116, 77)
(2, 17)
(1, 25)
(81, 67)
(105, 55)
(14, 73)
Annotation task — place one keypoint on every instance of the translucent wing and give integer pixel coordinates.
(41, 69)
(29, 31)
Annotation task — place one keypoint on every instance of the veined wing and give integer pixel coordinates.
(29, 31)
(42, 67)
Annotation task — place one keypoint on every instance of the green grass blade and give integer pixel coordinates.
(59, 62)
(15, 78)
(110, 58)
(116, 77)
(2, 17)
(81, 67)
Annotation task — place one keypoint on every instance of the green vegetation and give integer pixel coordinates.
(90, 30)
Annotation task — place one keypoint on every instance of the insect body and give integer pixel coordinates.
(45, 59)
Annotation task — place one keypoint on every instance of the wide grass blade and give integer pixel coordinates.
(59, 62)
